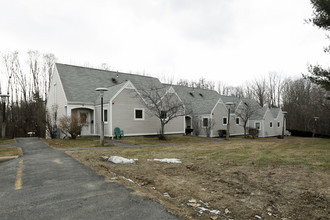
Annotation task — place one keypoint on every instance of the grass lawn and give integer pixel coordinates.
(171, 139)
(287, 178)
(10, 151)
(7, 141)
(80, 142)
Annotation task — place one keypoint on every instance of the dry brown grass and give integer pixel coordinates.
(75, 143)
(7, 141)
(170, 139)
(287, 178)
(10, 151)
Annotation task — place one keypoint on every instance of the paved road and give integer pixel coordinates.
(48, 184)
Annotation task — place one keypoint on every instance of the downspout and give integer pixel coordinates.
(94, 120)
(110, 124)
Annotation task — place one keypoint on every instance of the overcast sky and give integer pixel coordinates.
(221, 40)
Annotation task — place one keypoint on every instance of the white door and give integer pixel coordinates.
(85, 118)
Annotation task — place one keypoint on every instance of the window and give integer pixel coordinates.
(139, 114)
(278, 124)
(224, 121)
(271, 124)
(205, 122)
(105, 115)
(163, 114)
(257, 125)
(237, 121)
(83, 117)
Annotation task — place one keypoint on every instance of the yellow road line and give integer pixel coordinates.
(18, 183)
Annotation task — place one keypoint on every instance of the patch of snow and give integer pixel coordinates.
(121, 160)
(216, 212)
(258, 217)
(203, 209)
(129, 180)
(205, 203)
(168, 160)
(167, 195)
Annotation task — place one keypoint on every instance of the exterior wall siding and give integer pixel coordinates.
(123, 117)
(219, 112)
(56, 102)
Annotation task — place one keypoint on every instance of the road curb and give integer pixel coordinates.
(3, 159)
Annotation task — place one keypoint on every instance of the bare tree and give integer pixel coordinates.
(165, 105)
(245, 111)
(49, 60)
(209, 126)
(105, 66)
(221, 88)
(196, 124)
(274, 89)
(260, 91)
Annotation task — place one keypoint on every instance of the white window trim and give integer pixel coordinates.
(270, 124)
(255, 125)
(106, 122)
(226, 121)
(207, 122)
(138, 119)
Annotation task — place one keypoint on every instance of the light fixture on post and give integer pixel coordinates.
(228, 119)
(284, 114)
(102, 90)
(3, 100)
(314, 125)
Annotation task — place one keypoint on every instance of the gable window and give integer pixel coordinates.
(205, 122)
(163, 114)
(237, 121)
(224, 121)
(271, 124)
(257, 125)
(105, 115)
(278, 124)
(138, 114)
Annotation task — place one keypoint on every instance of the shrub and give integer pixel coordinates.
(71, 125)
(253, 132)
(222, 133)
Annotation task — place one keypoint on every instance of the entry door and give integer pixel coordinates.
(85, 118)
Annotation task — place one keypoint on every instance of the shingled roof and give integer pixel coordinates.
(197, 101)
(275, 111)
(79, 83)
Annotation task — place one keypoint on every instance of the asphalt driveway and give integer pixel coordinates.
(48, 184)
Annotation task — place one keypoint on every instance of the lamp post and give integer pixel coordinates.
(228, 119)
(102, 90)
(314, 125)
(3, 100)
(284, 113)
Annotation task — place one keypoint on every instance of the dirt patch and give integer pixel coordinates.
(206, 187)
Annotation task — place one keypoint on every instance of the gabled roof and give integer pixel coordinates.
(275, 111)
(110, 93)
(79, 83)
(232, 99)
(259, 114)
(197, 101)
